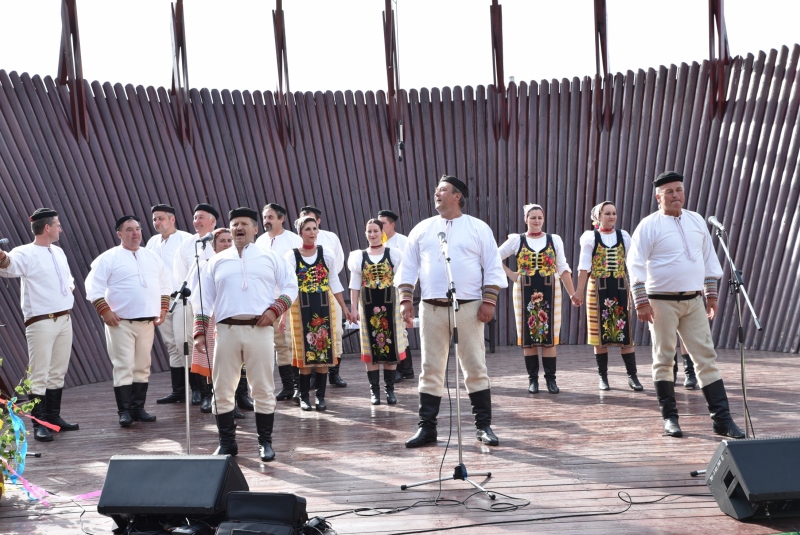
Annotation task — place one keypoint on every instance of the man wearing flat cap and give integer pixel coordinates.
(165, 243)
(279, 240)
(240, 285)
(331, 242)
(184, 268)
(130, 286)
(672, 263)
(46, 288)
(478, 276)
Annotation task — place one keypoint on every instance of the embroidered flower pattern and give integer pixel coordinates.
(604, 264)
(538, 318)
(529, 262)
(380, 332)
(312, 279)
(615, 319)
(377, 276)
(318, 339)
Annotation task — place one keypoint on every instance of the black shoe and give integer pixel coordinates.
(243, 399)
(264, 424)
(138, 398)
(481, 402)
(549, 365)
(334, 377)
(487, 436)
(320, 400)
(287, 383)
(40, 432)
(178, 394)
(197, 397)
(226, 426)
(374, 386)
(388, 380)
(52, 410)
(426, 432)
(532, 366)
(675, 369)
(123, 395)
(630, 367)
(296, 377)
(196, 382)
(603, 383)
(205, 405)
(303, 382)
(237, 414)
(717, 401)
(665, 392)
(602, 370)
(406, 367)
(398, 375)
(689, 377)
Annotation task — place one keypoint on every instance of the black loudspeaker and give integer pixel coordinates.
(756, 478)
(185, 485)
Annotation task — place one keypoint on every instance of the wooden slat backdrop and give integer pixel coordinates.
(743, 168)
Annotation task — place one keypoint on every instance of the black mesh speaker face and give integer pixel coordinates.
(169, 485)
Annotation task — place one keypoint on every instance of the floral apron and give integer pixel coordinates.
(313, 315)
(607, 302)
(383, 335)
(537, 296)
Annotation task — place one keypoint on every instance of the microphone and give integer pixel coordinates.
(183, 292)
(3, 241)
(443, 243)
(715, 222)
(205, 240)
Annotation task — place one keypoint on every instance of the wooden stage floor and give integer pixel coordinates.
(567, 454)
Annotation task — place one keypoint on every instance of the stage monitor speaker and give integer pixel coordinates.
(756, 478)
(186, 485)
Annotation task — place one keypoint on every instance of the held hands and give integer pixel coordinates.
(354, 315)
(267, 318)
(111, 319)
(577, 299)
(407, 310)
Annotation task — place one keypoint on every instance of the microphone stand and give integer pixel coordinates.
(460, 471)
(737, 287)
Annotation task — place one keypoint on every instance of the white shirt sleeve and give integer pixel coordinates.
(641, 246)
(587, 247)
(16, 268)
(203, 301)
(333, 278)
(411, 259)
(561, 259)
(509, 247)
(354, 266)
(285, 278)
(97, 279)
(492, 264)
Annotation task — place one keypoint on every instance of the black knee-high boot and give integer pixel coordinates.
(374, 378)
(630, 367)
(532, 365)
(388, 380)
(602, 370)
(689, 377)
(304, 383)
(549, 365)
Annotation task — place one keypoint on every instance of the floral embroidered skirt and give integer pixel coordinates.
(608, 313)
(315, 338)
(537, 309)
(382, 332)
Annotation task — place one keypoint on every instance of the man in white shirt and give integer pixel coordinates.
(279, 240)
(130, 286)
(185, 268)
(165, 243)
(671, 262)
(395, 240)
(240, 286)
(46, 288)
(330, 242)
(478, 278)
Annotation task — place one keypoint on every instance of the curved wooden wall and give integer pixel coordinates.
(742, 167)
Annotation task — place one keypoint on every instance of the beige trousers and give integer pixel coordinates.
(283, 344)
(129, 345)
(253, 347)
(173, 331)
(689, 320)
(437, 325)
(49, 348)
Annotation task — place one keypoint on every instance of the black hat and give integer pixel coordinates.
(389, 214)
(280, 210)
(666, 177)
(163, 208)
(455, 182)
(243, 212)
(125, 218)
(313, 209)
(207, 208)
(43, 213)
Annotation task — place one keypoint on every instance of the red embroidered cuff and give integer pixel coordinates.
(710, 288)
(101, 306)
(640, 298)
(406, 292)
(164, 303)
(201, 324)
(490, 294)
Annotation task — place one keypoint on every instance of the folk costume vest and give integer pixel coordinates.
(537, 295)
(313, 314)
(607, 300)
(383, 335)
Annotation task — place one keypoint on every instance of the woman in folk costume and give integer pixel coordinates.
(602, 262)
(537, 294)
(313, 315)
(373, 300)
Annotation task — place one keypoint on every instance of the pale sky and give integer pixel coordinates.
(338, 45)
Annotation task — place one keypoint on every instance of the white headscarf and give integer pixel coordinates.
(595, 213)
(528, 207)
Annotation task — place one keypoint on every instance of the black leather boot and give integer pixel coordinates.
(630, 367)
(196, 382)
(243, 399)
(388, 380)
(178, 394)
(602, 370)
(296, 377)
(287, 383)
(426, 431)
(717, 401)
(405, 369)
(226, 426)
(482, 409)
(532, 365)
(304, 383)
(335, 378)
(320, 401)
(675, 369)
(549, 366)
(40, 432)
(53, 410)
(138, 398)
(206, 393)
(689, 377)
(665, 392)
(123, 395)
(237, 414)
(264, 423)
(374, 378)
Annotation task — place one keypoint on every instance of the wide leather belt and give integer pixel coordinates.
(138, 319)
(230, 321)
(446, 303)
(53, 316)
(674, 297)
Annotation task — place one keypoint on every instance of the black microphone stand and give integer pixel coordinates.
(183, 295)
(460, 471)
(737, 288)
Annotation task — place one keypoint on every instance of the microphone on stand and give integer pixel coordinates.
(205, 240)
(715, 222)
(183, 292)
(443, 242)
(3, 241)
